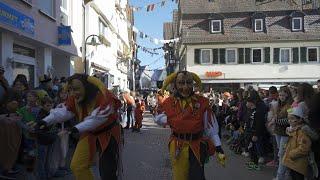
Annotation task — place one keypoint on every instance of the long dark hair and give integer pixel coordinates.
(289, 100)
(305, 92)
(91, 90)
(22, 79)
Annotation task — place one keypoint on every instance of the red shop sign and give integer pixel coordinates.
(213, 73)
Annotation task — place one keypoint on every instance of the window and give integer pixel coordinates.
(231, 56)
(25, 51)
(258, 25)
(297, 24)
(47, 7)
(205, 56)
(312, 54)
(215, 26)
(64, 8)
(103, 28)
(285, 55)
(256, 55)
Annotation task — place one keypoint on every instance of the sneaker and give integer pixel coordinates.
(245, 154)
(261, 160)
(272, 163)
(254, 167)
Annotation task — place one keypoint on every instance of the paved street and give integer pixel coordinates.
(146, 157)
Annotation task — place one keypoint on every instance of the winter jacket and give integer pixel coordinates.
(281, 123)
(297, 150)
(257, 120)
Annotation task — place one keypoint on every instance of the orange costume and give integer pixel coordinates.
(99, 129)
(138, 114)
(194, 131)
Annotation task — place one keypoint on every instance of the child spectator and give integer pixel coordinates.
(298, 146)
(257, 130)
(138, 115)
(29, 114)
(44, 140)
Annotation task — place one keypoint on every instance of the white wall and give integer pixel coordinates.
(256, 71)
(103, 55)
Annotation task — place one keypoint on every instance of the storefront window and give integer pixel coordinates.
(25, 51)
(25, 69)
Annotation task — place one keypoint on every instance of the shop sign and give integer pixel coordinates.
(64, 35)
(213, 74)
(16, 19)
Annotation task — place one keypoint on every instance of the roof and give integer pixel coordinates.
(238, 28)
(220, 6)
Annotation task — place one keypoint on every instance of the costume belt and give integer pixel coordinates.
(107, 128)
(188, 136)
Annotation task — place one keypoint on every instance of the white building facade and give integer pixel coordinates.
(259, 43)
(35, 38)
(111, 59)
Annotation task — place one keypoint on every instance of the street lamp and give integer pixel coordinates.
(93, 42)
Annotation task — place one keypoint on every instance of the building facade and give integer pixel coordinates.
(110, 23)
(237, 43)
(39, 37)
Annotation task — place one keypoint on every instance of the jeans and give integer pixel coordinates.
(281, 142)
(42, 172)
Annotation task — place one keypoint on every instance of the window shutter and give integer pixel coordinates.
(247, 55)
(267, 55)
(265, 27)
(303, 54)
(240, 53)
(215, 56)
(295, 54)
(222, 27)
(222, 56)
(276, 55)
(197, 56)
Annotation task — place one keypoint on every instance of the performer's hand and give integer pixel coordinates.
(221, 158)
(41, 125)
(254, 138)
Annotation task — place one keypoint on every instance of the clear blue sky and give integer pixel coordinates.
(151, 23)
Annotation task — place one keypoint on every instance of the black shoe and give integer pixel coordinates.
(127, 127)
(14, 170)
(7, 176)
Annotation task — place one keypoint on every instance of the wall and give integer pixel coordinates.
(257, 71)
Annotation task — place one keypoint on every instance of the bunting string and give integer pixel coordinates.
(153, 6)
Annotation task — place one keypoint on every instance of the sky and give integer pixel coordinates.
(151, 23)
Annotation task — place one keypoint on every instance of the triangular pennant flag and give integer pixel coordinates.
(141, 35)
(163, 3)
(148, 8)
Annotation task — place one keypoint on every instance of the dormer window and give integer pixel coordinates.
(297, 24)
(258, 25)
(215, 26)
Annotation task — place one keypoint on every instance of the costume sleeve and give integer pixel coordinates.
(104, 112)
(58, 115)
(98, 117)
(161, 119)
(211, 127)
